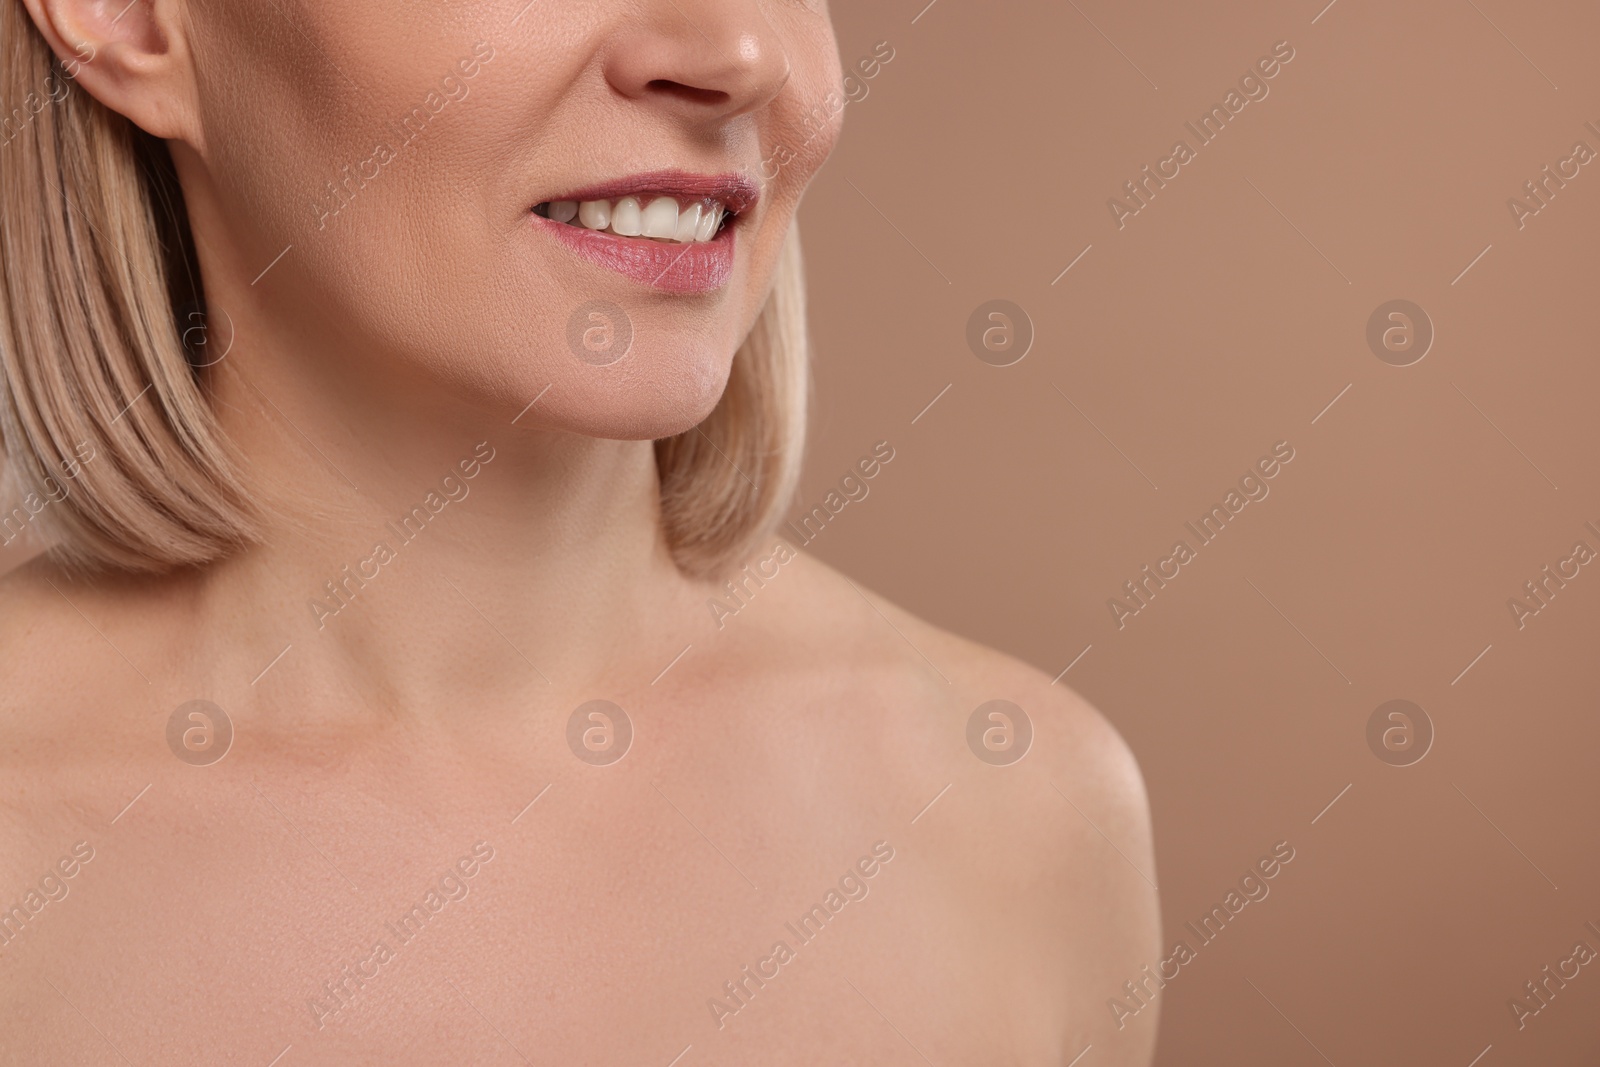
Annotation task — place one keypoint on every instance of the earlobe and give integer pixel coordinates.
(127, 54)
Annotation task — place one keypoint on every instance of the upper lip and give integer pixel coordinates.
(736, 192)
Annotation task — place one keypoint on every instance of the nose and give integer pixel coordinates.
(702, 60)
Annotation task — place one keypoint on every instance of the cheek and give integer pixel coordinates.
(809, 114)
(377, 201)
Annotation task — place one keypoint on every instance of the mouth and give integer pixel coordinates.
(671, 230)
(653, 217)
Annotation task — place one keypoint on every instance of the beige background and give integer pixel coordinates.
(1213, 325)
(1223, 318)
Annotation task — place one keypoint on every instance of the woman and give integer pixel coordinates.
(401, 389)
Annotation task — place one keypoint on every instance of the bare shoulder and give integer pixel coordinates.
(63, 694)
(64, 634)
(936, 670)
(1032, 806)
(38, 644)
(33, 692)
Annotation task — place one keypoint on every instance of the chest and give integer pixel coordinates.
(503, 918)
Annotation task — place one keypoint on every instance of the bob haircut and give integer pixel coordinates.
(104, 409)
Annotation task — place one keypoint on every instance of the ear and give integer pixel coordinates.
(131, 55)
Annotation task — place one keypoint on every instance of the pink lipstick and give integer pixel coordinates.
(670, 230)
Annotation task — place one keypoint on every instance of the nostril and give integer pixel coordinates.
(689, 93)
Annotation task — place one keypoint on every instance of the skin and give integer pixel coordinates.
(373, 750)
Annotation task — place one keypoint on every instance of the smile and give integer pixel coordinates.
(656, 218)
(670, 230)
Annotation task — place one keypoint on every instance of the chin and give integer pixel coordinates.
(643, 403)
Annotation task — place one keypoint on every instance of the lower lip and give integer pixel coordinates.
(692, 267)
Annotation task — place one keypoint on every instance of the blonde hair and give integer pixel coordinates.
(96, 267)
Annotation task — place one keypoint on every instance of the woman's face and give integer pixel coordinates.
(466, 190)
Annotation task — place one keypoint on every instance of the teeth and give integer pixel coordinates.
(662, 219)
(626, 218)
(688, 224)
(709, 223)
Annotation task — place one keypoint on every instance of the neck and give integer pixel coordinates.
(414, 555)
